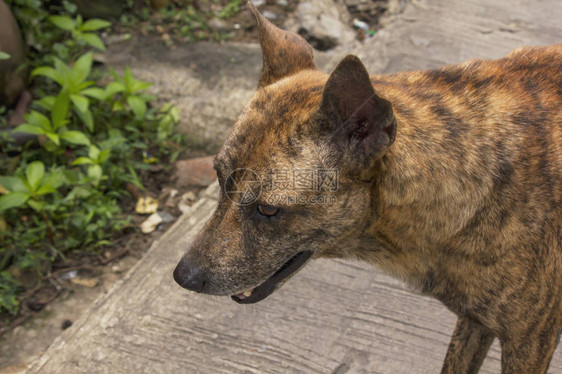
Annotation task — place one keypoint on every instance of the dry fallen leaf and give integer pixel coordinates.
(146, 205)
(86, 282)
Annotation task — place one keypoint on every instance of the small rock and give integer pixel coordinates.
(269, 15)
(133, 190)
(35, 304)
(195, 172)
(166, 217)
(70, 275)
(169, 196)
(65, 324)
(360, 24)
(323, 23)
(116, 269)
(186, 201)
(86, 282)
(188, 196)
(283, 3)
(151, 223)
(184, 208)
(258, 3)
(218, 24)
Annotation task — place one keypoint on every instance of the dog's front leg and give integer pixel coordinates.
(468, 347)
(529, 355)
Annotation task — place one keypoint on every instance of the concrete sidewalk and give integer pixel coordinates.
(332, 317)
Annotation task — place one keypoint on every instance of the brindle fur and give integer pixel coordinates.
(464, 205)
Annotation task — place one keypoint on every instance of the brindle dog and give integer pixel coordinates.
(450, 179)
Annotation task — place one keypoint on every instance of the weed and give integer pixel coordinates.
(93, 137)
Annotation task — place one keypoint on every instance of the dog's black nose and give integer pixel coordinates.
(189, 277)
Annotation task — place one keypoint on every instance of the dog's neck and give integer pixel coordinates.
(411, 184)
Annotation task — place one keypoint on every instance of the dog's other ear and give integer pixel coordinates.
(361, 118)
(284, 52)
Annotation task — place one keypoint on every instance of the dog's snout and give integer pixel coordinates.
(189, 276)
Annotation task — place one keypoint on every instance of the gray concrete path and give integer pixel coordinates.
(332, 317)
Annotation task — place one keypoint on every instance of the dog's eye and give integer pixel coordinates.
(268, 210)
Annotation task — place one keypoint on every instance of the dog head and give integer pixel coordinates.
(295, 173)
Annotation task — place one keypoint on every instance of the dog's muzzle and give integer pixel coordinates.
(272, 283)
(190, 277)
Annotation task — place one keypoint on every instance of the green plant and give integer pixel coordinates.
(94, 133)
(9, 289)
(74, 87)
(230, 10)
(30, 189)
(81, 31)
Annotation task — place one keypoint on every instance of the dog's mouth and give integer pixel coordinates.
(271, 284)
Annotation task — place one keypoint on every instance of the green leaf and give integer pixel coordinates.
(128, 79)
(82, 68)
(36, 205)
(138, 106)
(63, 22)
(37, 119)
(46, 102)
(86, 117)
(82, 161)
(35, 172)
(60, 110)
(95, 92)
(84, 85)
(95, 24)
(118, 107)
(45, 189)
(95, 173)
(29, 129)
(12, 200)
(13, 184)
(49, 72)
(75, 137)
(80, 102)
(4, 56)
(113, 88)
(93, 40)
(55, 178)
(94, 152)
(53, 137)
(69, 7)
(104, 155)
(137, 86)
(64, 72)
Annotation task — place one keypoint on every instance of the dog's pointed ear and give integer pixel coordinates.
(366, 120)
(284, 52)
